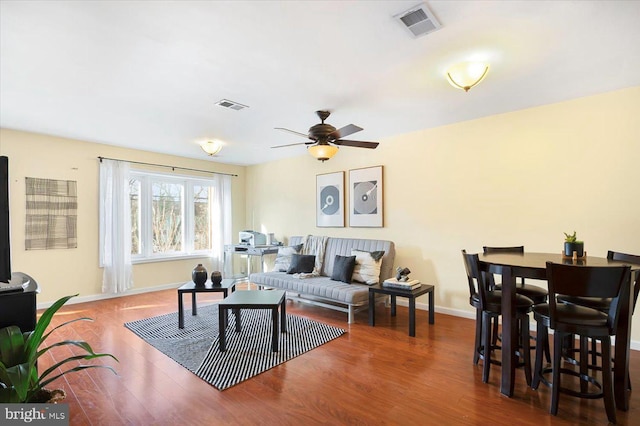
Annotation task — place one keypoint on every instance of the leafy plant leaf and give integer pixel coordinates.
(19, 353)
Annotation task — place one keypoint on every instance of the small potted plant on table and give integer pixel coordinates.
(573, 245)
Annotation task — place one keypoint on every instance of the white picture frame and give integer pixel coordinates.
(366, 197)
(330, 200)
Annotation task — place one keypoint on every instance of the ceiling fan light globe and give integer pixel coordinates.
(323, 152)
(465, 75)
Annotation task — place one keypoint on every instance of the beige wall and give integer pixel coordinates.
(63, 272)
(516, 178)
(519, 178)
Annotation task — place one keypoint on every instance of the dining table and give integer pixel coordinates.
(534, 266)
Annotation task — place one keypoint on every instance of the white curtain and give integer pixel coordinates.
(115, 226)
(221, 219)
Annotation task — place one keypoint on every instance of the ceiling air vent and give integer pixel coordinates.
(226, 103)
(418, 20)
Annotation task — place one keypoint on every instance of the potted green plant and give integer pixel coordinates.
(19, 353)
(572, 244)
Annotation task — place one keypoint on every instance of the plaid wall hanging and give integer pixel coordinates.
(52, 214)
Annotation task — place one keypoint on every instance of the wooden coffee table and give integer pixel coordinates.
(190, 287)
(254, 299)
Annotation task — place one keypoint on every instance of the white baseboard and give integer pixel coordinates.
(94, 297)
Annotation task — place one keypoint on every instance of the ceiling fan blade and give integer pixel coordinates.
(292, 131)
(292, 144)
(347, 130)
(357, 144)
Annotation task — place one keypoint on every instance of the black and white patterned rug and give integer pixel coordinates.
(248, 353)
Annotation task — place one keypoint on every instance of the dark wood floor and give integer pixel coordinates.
(371, 375)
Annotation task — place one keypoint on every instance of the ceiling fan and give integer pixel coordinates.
(324, 137)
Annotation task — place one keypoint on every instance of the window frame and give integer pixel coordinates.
(146, 179)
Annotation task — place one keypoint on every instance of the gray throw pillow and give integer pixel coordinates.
(301, 264)
(343, 268)
(283, 258)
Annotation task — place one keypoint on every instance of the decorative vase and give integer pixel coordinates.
(216, 278)
(569, 248)
(199, 275)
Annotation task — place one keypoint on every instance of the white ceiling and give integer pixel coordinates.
(146, 74)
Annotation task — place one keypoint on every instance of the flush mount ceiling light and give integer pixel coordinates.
(465, 75)
(323, 151)
(211, 147)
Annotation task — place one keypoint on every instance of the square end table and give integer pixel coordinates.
(254, 299)
(227, 285)
(410, 294)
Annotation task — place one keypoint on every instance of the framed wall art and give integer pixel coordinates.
(330, 200)
(365, 197)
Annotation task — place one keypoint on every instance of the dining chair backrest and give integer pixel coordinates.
(588, 281)
(476, 278)
(514, 249)
(623, 257)
(631, 259)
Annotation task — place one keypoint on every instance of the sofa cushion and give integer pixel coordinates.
(283, 258)
(354, 293)
(343, 247)
(301, 264)
(343, 268)
(367, 269)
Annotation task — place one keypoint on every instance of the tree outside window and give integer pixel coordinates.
(166, 216)
(202, 217)
(134, 197)
(171, 216)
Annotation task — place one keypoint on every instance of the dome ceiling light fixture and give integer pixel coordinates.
(211, 147)
(322, 151)
(466, 75)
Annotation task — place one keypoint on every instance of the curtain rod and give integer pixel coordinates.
(164, 165)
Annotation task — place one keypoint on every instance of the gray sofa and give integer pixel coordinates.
(323, 291)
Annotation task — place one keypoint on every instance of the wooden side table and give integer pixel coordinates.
(410, 294)
(256, 299)
(190, 287)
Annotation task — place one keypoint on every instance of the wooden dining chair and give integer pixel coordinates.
(603, 304)
(488, 306)
(569, 319)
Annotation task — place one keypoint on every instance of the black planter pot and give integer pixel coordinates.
(199, 275)
(569, 248)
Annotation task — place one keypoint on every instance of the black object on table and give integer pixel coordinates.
(410, 294)
(18, 302)
(255, 299)
(208, 287)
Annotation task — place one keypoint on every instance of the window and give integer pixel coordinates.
(172, 216)
(134, 195)
(167, 216)
(201, 217)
